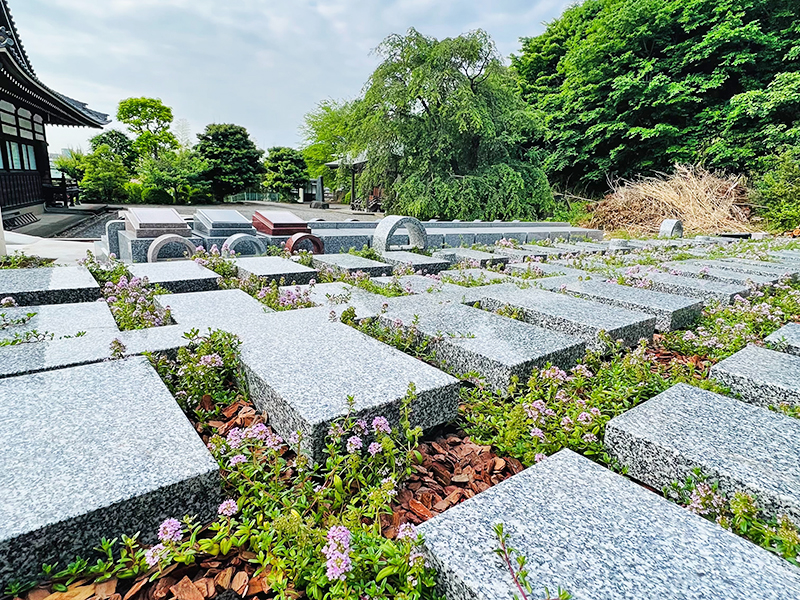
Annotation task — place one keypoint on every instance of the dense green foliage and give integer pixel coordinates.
(286, 171)
(443, 130)
(120, 144)
(233, 162)
(632, 86)
(104, 177)
(778, 191)
(149, 119)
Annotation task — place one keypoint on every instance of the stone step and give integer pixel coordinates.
(178, 276)
(274, 268)
(743, 447)
(693, 287)
(701, 270)
(48, 285)
(481, 259)
(117, 456)
(573, 316)
(419, 262)
(351, 263)
(468, 339)
(599, 536)
(786, 339)
(60, 319)
(761, 376)
(671, 311)
(301, 368)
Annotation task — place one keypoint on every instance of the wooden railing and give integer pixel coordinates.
(20, 189)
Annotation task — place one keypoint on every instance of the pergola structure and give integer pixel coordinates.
(26, 106)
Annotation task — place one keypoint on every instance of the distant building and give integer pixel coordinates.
(26, 106)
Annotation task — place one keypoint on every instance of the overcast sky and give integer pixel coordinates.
(258, 63)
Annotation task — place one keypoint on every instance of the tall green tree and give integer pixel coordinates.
(286, 171)
(72, 164)
(445, 133)
(179, 173)
(149, 119)
(120, 144)
(633, 86)
(104, 177)
(232, 160)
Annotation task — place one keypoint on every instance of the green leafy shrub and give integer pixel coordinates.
(778, 191)
(20, 260)
(222, 262)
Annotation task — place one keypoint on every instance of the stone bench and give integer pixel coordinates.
(599, 536)
(48, 285)
(114, 455)
(468, 339)
(744, 447)
(573, 316)
(761, 376)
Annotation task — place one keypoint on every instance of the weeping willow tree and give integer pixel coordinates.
(444, 131)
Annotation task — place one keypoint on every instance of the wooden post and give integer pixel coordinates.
(3, 250)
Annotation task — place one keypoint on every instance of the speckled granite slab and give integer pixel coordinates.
(786, 339)
(60, 319)
(701, 270)
(274, 268)
(600, 537)
(744, 447)
(178, 276)
(472, 277)
(761, 376)
(758, 267)
(469, 339)
(671, 311)
(227, 309)
(482, 259)
(301, 368)
(704, 289)
(95, 346)
(573, 316)
(547, 269)
(338, 297)
(114, 455)
(419, 262)
(518, 255)
(351, 263)
(48, 285)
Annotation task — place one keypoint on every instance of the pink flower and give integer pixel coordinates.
(354, 444)
(407, 531)
(539, 458)
(228, 508)
(237, 460)
(374, 448)
(381, 425)
(170, 531)
(154, 555)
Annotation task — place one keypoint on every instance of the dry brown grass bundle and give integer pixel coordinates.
(705, 202)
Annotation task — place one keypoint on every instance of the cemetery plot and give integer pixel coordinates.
(786, 339)
(87, 473)
(694, 287)
(273, 268)
(57, 320)
(350, 263)
(49, 285)
(761, 376)
(177, 277)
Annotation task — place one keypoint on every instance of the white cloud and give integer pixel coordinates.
(260, 63)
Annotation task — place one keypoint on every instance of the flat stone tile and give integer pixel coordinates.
(93, 347)
(757, 267)
(546, 269)
(338, 297)
(474, 276)
(419, 262)
(744, 447)
(601, 537)
(544, 251)
(274, 268)
(573, 316)
(60, 319)
(761, 376)
(225, 309)
(216, 218)
(786, 339)
(701, 271)
(581, 247)
(154, 218)
(114, 455)
(48, 285)
(351, 263)
(469, 339)
(480, 258)
(671, 311)
(301, 368)
(518, 255)
(704, 289)
(177, 276)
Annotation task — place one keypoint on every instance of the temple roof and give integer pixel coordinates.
(18, 79)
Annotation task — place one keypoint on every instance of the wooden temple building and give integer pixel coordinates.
(26, 106)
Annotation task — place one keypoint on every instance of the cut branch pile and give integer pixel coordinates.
(705, 202)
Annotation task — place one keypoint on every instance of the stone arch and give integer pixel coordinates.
(245, 238)
(170, 238)
(317, 244)
(417, 235)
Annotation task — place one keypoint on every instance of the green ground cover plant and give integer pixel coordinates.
(20, 260)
